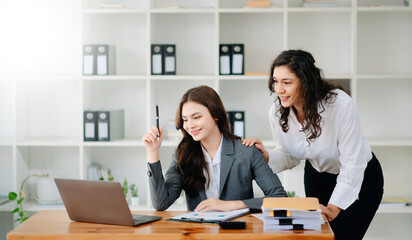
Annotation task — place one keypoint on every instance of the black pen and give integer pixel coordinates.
(157, 118)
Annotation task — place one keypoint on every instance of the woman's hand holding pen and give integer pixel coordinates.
(258, 144)
(152, 140)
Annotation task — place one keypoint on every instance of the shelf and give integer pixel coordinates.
(116, 143)
(384, 8)
(114, 77)
(180, 77)
(243, 77)
(383, 76)
(388, 209)
(320, 9)
(394, 142)
(48, 142)
(114, 11)
(181, 10)
(251, 10)
(48, 78)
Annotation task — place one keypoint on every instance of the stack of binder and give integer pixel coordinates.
(231, 59)
(163, 59)
(103, 125)
(291, 214)
(99, 59)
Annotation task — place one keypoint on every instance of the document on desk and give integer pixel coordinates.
(210, 217)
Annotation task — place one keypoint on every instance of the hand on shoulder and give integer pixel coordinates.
(249, 142)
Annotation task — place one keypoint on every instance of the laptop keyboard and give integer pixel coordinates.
(139, 219)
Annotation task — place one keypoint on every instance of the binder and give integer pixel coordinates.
(89, 59)
(110, 125)
(237, 59)
(157, 59)
(105, 59)
(237, 123)
(225, 59)
(90, 125)
(169, 59)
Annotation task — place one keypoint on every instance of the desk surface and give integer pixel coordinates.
(57, 225)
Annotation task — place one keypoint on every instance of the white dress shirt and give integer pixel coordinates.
(214, 171)
(340, 149)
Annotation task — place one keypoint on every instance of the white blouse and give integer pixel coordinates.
(214, 172)
(340, 149)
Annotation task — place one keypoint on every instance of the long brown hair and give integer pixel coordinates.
(191, 160)
(315, 90)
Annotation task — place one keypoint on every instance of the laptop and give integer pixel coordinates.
(98, 202)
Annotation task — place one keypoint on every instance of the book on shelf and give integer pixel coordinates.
(291, 214)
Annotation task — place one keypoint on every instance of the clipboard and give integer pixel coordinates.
(209, 217)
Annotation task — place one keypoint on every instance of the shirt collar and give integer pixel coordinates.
(217, 158)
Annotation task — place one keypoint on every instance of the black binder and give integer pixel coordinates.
(225, 59)
(110, 125)
(105, 59)
(237, 122)
(90, 126)
(157, 59)
(169, 54)
(238, 59)
(89, 59)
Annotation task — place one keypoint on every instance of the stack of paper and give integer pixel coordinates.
(210, 217)
(291, 214)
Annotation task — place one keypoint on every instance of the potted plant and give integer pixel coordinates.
(134, 191)
(19, 198)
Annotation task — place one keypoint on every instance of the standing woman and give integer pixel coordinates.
(210, 164)
(310, 119)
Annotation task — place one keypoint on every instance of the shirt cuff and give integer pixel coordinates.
(343, 196)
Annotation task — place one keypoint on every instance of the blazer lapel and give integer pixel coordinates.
(226, 163)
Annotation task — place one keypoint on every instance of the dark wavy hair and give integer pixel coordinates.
(190, 158)
(315, 90)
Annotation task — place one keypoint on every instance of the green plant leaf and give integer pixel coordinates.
(21, 214)
(15, 210)
(12, 196)
(101, 179)
(24, 219)
(20, 200)
(18, 220)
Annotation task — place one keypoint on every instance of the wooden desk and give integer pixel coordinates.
(57, 225)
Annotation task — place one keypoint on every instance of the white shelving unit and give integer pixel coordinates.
(364, 44)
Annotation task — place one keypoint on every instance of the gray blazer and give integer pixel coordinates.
(240, 165)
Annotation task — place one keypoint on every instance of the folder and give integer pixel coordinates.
(90, 126)
(238, 59)
(89, 61)
(225, 59)
(105, 59)
(293, 203)
(169, 59)
(110, 125)
(237, 122)
(157, 59)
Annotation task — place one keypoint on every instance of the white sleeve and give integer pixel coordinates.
(279, 158)
(354, 156)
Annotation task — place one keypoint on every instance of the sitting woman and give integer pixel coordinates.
(210, 163)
